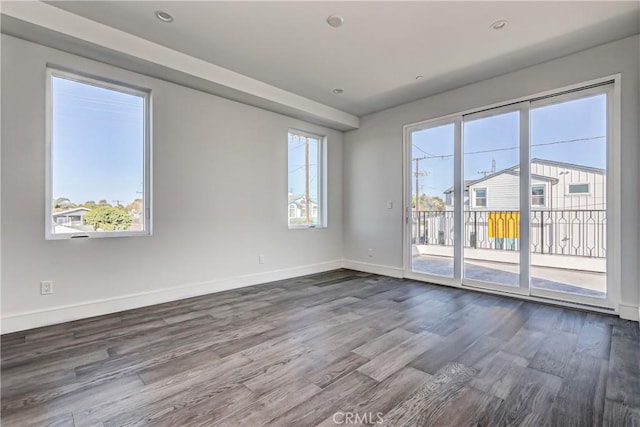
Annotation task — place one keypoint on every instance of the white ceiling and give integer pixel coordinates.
(283, 57)
(382, 46)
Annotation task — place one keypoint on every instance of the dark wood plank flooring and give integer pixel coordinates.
(338, 346)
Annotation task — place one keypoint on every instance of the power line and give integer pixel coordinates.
(568, 141)
(423, 152)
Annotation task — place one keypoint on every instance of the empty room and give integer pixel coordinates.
(315, 213)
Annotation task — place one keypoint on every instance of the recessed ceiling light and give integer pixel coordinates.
(163, 16)
(498, 25)
(419, 77)
(338, 91)
(335, 21)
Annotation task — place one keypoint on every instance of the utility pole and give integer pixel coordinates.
(306, 169)
(117, 202)
(418, 175)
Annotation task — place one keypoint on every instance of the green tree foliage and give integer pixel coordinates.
(63, 203)
(89, 204)
(109, 218)
(429, 204)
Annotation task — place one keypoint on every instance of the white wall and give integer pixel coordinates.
(220, 199)
(373, 154)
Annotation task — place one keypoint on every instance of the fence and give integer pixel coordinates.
(556, 232)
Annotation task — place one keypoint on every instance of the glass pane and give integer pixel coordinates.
(432, 200)
(492, 199)
(304, 184)
(98, 155)
(568, 232)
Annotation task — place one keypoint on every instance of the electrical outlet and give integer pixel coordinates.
(390, 204)
(260, 259)
(370, 253)
(46, 287)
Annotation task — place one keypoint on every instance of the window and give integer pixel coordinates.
(480, 195)
(98, 177)
(537, 195)
(305, 183)
(578, 188)
(292, 211)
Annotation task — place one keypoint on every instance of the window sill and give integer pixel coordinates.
(97, 235)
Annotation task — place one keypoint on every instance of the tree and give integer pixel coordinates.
(63, 203)
(89, 204)
(103, 202)
(429, 203)
(108, 218)
(136, 205)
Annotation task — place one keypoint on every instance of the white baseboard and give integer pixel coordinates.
(34, 319)
(383, 270)
(629, 312)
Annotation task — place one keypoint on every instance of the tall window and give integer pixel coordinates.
(98, 158)
(305, 161)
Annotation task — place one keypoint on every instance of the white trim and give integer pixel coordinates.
(321, 200)
(629, 312)
(383, 270)
(533, 98)
(609, 85)
(544, 195)
(525, 196)
(116, 86)
(586, 193)
(57, 22)
(515, 293)
(37, 318)
(475, 198)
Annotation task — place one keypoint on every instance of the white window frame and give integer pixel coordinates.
(321, 201)
(611, 85)
(147, 173)
(475, 198)
(586, 193)
(544, 195)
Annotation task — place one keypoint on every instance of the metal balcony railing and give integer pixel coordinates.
(556, 232)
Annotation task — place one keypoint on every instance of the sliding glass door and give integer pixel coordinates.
(514, 198)
(492, 142)
(568, 228)
(432, 221)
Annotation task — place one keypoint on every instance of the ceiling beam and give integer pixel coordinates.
(51, 26)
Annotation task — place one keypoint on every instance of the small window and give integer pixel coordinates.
(480, 196)
(578, 188)
(537, 195)
(292, 211)
(305, 183)
(98, 150)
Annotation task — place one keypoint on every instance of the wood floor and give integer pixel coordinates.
(338, 347)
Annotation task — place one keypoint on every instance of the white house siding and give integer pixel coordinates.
(559, 197)
(503, 191)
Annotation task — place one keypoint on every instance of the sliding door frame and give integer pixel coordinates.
(458, 236)
(524, 183)
(614, 230)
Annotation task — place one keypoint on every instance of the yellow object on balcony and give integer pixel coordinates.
(504, 225)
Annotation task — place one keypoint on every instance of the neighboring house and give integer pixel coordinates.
(298, 206)
(554, 186)
(568, 211)
(73, 216)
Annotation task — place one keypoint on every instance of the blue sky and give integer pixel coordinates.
(98, 149)
(98, 143)
(498, 136)
(296, 168)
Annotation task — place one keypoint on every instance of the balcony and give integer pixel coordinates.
(568, 247)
